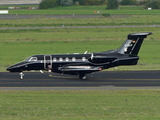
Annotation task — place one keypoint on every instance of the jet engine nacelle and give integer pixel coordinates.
(101, 59)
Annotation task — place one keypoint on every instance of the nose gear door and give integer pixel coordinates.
(47, 62)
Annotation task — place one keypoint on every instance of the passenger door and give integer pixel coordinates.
(47, 62)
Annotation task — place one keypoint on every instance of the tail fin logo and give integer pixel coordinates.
(133, 41)
(128, 47)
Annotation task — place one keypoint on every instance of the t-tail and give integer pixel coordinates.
(133, 43)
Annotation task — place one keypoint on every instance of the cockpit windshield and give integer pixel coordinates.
(31, 59)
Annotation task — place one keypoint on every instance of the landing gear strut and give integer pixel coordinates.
(21, 75)
(82, 76)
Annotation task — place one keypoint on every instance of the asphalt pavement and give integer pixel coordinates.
(100, 80)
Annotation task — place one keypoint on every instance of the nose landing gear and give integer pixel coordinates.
(21, 75)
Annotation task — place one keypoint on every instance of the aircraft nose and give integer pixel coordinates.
(15, 68)
(8, 69)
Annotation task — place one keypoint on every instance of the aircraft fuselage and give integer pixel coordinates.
(67, 63)
(81, 64)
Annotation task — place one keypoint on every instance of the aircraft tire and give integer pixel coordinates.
(21, 75)
(82, 77)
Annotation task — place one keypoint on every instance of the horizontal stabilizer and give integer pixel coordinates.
(134, 36)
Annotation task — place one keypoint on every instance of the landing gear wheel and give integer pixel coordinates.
(82, 77)
(21, 75)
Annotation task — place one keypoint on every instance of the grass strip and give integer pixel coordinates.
(79, 104)
(124, 10)
(102, 21)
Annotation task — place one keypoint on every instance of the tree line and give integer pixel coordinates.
(111, 4)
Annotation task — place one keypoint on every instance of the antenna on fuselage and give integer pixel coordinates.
(85, 52)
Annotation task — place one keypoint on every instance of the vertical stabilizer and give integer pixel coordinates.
(133, 43)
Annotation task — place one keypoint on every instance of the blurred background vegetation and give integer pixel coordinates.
(110, 4)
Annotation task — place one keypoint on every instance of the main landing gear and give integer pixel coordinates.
(82, 76)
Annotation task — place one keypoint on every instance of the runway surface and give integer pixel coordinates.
(103, 80)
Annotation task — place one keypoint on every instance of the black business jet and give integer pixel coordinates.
(82, 64)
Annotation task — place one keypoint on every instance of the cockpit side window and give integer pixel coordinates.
(33, 59)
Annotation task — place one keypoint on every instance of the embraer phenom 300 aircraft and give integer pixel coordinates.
(82, 64)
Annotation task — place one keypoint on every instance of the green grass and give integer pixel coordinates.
(85, 12)
(69, 10)
(80, 105)
(131, 8)
(21, 6)
(17, 45)
(80, 8)
(124, 10)
(73, 34)
(99, 7)
(58, 22)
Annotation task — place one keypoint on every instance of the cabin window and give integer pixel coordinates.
(67, 59)
(54, 59)
(33, 59)
(73, 59)
(83, 58)
(60, 59)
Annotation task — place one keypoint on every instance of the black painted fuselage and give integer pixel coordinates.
(82, 64)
